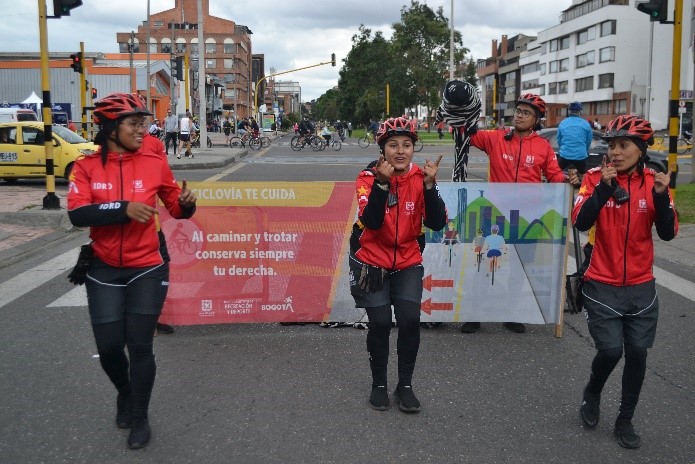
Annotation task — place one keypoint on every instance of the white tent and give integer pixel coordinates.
(33, 98)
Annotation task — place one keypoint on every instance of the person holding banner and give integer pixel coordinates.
(395, 199)
(114, 192)
(517, 155)
(623, 200)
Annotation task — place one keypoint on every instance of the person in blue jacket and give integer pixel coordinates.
(574, 137)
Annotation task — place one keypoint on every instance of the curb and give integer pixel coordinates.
(36, 216)
(220, 161)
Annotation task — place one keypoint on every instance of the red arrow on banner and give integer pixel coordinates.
(428, 282)
(427, 306)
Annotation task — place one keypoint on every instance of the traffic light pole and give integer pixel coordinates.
(255, 93)
(673, 125)
(83, 92)
(50, 201)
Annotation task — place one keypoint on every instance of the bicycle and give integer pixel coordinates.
(300, 141)
(364, 142)
(685, 143)
(450, 242)
(195, 140)
(418, 145)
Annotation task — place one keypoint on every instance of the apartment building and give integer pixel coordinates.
(599, 55)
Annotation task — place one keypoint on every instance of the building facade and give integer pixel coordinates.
(227, 53)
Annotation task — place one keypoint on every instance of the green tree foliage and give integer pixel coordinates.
(415, 64)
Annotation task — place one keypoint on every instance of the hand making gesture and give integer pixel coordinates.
(608, 172)
(661, 181)
(430, 169)
(186, 197)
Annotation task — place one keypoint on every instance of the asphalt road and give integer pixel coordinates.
(265, 393)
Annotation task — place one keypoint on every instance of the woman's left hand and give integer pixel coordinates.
(661, 181)
(186, 197)
(430, 169)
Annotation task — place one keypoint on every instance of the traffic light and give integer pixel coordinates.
(63, 7)
(76, 62)
(332, 59)
(656, 9)
(94, 93)
(179, 68)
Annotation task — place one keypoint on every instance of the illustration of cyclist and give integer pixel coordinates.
(494, 245)
(451, 238)
(478, 242)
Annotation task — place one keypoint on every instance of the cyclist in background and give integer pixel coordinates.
(372, 128)
(494, 245)
(623, 199)
(478, 242)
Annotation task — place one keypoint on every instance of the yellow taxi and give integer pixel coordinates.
(22, 150)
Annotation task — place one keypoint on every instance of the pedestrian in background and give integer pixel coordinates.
(574, 137)
(127, 278)
(623, 199)
(171, 129)
(395, 198)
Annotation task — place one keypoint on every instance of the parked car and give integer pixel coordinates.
(16, 114)
(658, 161)
(22, 150)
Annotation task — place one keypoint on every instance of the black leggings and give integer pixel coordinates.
(173, 136)
(633, 375)
(136, 332)
(408, 319)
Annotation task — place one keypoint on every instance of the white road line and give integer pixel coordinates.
(37, 276)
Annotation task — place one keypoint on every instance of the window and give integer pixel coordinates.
(31, 136)
(530, 84)
(153, 47)
(602, 107)
(181, 47)
(158, 23)
(529, 68)
(228, 63)
(554, 65)
(585, 59)
(229, 48)
(565, 64)
(210, 48)
(210, 64)
(562, 87)
(166, 48)
(585, 35)
(608, 28)
(606, 54)
(194, 48)
(605, 81)
(564, 42)
(553, 45)
(620, 107)
(541, 68)
(584, 84)
(541, 89)
(552, 88)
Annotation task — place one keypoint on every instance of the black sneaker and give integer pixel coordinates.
(139, 434)
(379, 398)
(589, 411)
(470, 327)
(405, 399)
(516, 327)
(625, 434)
(165, 329)
(124, 411)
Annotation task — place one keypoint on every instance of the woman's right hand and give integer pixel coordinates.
(140, 211)
(384, 170)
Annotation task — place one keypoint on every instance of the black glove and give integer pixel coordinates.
(78, 275)
(372, 278)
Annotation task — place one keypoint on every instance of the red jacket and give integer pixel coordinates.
(98, 197)
(623, 251)
(519, 159)
(389, 238)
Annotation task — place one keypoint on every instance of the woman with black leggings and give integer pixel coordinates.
(115, 193)
(395, 198)
(623, 200)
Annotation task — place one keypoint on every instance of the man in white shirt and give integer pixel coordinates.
(185, 126)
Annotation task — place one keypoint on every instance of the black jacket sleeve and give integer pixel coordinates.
(592, 206)
(435, 210)
(665, 216)
(373, 214)
(101, 214)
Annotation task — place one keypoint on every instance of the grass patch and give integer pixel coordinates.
(685, 203)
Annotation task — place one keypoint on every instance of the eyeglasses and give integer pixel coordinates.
(135, 125)
(523, 113)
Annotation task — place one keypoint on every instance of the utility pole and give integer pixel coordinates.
(451, 45)
(149, 98)
(50, 201)
(131, 48)
(201, 79)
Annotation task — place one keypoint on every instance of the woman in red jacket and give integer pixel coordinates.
(623, 200)
(115, 192)
(395, 198)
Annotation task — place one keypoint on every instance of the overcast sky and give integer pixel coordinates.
(291, 33)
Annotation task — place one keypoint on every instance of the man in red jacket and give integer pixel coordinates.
(518, 155)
